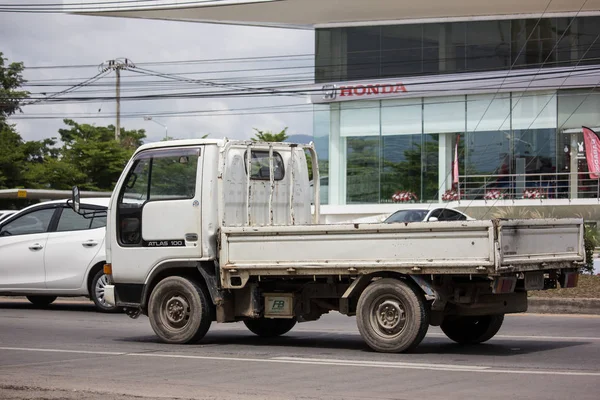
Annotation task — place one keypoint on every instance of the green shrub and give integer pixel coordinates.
(590, 240)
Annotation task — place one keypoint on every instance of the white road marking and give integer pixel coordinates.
(439, 334)
(383, 363)
(531, 337)
(101, 353)
(325, 361)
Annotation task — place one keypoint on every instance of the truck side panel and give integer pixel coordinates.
(455, 247)
(540, 240)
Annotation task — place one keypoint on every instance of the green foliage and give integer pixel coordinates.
(267, 136)
(93, 155)
(590, 240)
(11, 79)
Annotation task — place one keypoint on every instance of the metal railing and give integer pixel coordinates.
(563, 185)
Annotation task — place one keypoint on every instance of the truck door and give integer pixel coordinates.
(158, 212)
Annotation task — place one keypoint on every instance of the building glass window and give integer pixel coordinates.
(401, 50)
(507, 141)
(360, 130)
(362, 169)
(485, 148)
(321, 133)
(363, 46)
(355, 53)
(488, 45)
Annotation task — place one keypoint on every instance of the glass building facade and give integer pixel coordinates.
(368, 52)
(370, 149)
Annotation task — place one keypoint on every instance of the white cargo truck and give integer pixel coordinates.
(217, 230)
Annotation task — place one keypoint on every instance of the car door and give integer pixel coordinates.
(22, 246)
(72, 247)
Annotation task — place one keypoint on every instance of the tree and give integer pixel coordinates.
(268, 136)
(11, 79)
(12, 157)
(91, 157)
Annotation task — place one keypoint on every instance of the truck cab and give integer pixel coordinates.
(173, 197)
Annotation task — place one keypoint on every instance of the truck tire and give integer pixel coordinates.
(267, 327)
(392, 316)
(41, 301)
(179, 311)
(472, 330)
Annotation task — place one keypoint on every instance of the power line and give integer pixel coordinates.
(287, 108)
(294, 89)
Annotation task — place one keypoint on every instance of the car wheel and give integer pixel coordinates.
(41, 301)
(97, 287)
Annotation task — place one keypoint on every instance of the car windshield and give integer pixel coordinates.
(407, 216)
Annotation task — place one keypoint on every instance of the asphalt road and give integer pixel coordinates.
(71, 352)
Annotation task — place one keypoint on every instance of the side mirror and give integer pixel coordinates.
(76, 199)
(433, 219)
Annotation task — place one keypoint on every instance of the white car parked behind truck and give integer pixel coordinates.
(47, 250)
(215, 230)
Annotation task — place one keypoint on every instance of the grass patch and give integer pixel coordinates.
(588, 287)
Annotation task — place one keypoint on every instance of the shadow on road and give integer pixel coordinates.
(61, 305)
(321, 340)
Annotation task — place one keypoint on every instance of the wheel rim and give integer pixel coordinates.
(388, 316)
(175, 310)
(99, 290)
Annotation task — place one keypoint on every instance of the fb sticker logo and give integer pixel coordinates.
(278, 305)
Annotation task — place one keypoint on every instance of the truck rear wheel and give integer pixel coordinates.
(267, 327)
(391, 316)
(179, 310)
(472, 330)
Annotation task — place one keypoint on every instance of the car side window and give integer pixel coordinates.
(34, 222)
(451, 215)
(437, 214)
(98, 222)
(72, 221)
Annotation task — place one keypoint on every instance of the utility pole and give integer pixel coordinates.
(117, 65)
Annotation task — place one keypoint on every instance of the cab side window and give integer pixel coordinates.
(34, 222)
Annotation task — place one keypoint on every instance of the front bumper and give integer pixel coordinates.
(109, 295)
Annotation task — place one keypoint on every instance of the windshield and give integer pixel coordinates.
(407, 216)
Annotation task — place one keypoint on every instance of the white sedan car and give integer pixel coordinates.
(423, 215)
(48, 250)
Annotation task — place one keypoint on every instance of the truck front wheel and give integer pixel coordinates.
(472, 330)
(179, 310)
(392, 316)
(265, 327)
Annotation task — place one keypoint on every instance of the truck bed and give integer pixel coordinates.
(462, 247)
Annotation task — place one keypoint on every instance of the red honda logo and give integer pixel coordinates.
(370, 90)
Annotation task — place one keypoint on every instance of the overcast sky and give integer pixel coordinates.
(59, 39)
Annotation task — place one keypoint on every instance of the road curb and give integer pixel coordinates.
(542, 305)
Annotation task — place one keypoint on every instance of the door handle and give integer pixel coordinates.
(89, 243)
(36, 247)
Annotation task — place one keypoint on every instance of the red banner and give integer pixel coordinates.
(592, 152)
